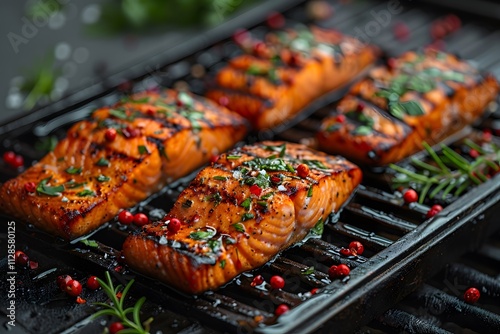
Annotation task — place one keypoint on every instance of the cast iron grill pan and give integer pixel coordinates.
(403, 249)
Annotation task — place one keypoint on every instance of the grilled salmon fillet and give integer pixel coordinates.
(418, 97)
(118, 157)
(238, 213)
(279, 76)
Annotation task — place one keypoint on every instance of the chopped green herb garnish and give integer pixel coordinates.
(246, 216)
(308, 271)
(103, 178)
(290, 168)
(239, 227)
(246, 203)
(202, 235)
(222, 264)
(214, 245)
(129, 99)
(85, 193)
(186, 99)
(216, 198)
(362, 130)
(255, 70)
(187, 203)
(71, 184)
(262, 203)
(119, 113)
(74, 170)
(310, 191)
(318, 228)
(334, 127)
(103, 162)
(314, 164)
(143, 149)
(43, 188)
(46, 144)
(233, 157)
(220, 178)
(266, 196)
(90, 243)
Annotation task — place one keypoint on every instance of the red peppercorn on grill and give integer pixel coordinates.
(403, 244)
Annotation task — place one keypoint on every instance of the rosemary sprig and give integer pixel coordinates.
(115, 307)
(449, 172)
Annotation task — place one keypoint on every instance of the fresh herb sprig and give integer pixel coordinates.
(115, 307)
(450, 172)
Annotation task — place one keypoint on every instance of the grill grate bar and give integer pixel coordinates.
(396, 321)
(315, 278)
(329, 253)
(465, 275)
(369, 239)
(450, 308)
(381, 218)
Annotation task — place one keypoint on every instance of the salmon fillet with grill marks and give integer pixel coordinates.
(88, 178)
(238, 213)
(283, 74)
(419, 97)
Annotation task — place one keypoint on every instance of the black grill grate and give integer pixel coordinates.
(402, 247)
(439, 306)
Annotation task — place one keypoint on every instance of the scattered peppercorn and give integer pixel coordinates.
(30, 187)
(174, 225)
(410, 196)
(125, 217)
(340, 118)
(73, 288)
(62, 281)
(338, 271)
(110, 134)
(281, 309)
(277, 282)
(303, 170)
(257, 280)
(93, 283)
(140, 219)
(434, 210)
(356, 247)
(472, 295)
(21, 258)
(12, 159)
(115, 327)
(345, 252)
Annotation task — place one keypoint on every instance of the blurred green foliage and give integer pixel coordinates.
(142, 15)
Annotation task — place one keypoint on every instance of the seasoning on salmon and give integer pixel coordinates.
(278, 77)
(118, 157)
(418, 97)
(240, 212)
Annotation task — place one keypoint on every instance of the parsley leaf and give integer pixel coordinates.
(43, 188)
(74, 170)
(102, 162)
(202, 235)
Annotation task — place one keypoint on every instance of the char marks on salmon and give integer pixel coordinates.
(156, 137)
(421, 96)
(282, 74)
(240, 212)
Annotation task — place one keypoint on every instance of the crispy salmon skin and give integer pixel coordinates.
(118, 157)
(418, 97)
(282, 74)
(238, 213)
